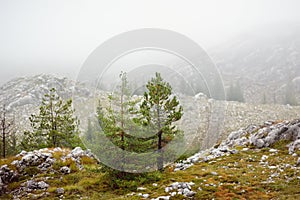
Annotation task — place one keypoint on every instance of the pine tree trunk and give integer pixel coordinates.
(160, 161)
(3, 133)
(3, 143)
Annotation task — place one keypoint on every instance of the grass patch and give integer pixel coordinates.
(238, 176)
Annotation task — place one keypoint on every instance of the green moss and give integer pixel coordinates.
(31, 171)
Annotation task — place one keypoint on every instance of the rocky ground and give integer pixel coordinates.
(257, 162)
(33, 170)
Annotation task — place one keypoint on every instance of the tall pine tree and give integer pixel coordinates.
(159, 110)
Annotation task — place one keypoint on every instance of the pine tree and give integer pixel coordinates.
(264, 98)
(290, 97)
(114, 119)
(54, 126)
(230, 92)
(7, 132)
(159, 110)
(235, 92)
(89, 136)
(239, 92)
(217, 91)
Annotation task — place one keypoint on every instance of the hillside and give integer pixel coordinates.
(203, 117)
(22, 96)
(258, 162)
(264, 60)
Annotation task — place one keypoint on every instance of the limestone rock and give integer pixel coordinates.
(65, 170)
(60, 190)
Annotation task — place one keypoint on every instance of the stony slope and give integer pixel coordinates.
(257, 162)
(205, 120)
(22, 96)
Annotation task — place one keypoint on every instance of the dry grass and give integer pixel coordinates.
(239, 176)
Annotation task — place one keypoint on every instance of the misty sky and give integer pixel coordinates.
(56, 36)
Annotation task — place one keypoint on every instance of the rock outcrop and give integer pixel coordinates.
(253, 136)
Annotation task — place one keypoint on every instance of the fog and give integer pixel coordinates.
(55, 36)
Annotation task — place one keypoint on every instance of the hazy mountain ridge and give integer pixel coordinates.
(31, 89)
(263, 60)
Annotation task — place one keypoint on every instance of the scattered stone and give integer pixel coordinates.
(77, 152)
(268, 123)
(47, 164)
(272, 167)
(273, 150)
(214, 173)
(162, 198)
(65, 170)
(30, 159)
(298, 162)
(23, 153)
(264, 158)
(175, 185)
(190, 194)
(168, 189)
(141, 188)
(259, 143)
(293, 146)
(7, 175)
(183, 188)
(57, 149)
(2, 187)
(33, 185)
(131, 194)
(60, 190)
(234, 151)
(42, 185)
(245, 149)
(173, 193)
(15, 162)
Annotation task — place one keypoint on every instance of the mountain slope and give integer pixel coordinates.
(264, 60)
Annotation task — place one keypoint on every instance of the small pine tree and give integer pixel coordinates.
(89, 136)
(264, 98)
(290, 97)
(160, 110)
(54, 126)
(230, 92)
(235, 92)
(239, 92)
(217, 91)
(7, 134)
